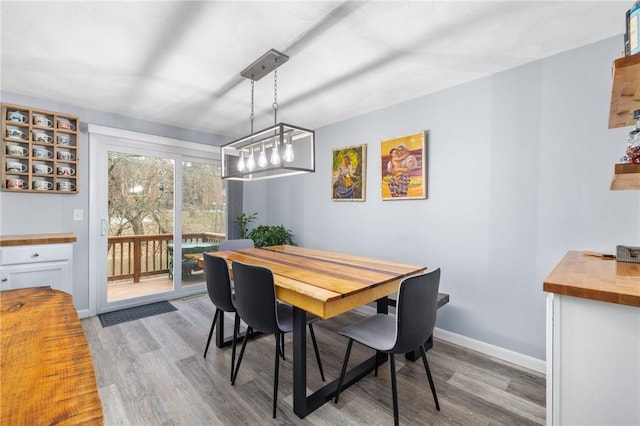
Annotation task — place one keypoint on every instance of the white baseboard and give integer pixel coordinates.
(517, 358)
(84, 313)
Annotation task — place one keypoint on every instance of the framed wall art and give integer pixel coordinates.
(404, 167)
(348, 173)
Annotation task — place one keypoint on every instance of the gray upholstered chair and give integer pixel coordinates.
(235, 244)
(219, 289)
(256, 303)
(403, 332)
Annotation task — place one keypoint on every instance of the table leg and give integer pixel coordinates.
(303, 404)
(221, 341)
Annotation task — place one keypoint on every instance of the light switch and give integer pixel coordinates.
(78, 214)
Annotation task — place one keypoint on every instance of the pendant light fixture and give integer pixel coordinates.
(291, 148)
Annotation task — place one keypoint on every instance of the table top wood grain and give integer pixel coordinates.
(47, 370)
(589, 277)
(322, 282)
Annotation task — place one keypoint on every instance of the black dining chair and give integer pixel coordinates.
(235, 244)
(256, 303)
(406, 331)
(219, 289)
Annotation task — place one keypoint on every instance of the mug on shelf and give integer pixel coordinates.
(42, 169)
(17, 116)
(66, 186)
(64, 123)
(17, 150)
(64, 140)
(42, 153)
(66, 155)
(42, 137)
(17, 184)
(41, 120)
(42, 185)
(66, 171)
(14, 132)
(16, 167)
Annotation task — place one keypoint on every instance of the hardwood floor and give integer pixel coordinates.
(151, 372)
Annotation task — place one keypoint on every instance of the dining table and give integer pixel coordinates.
(326, 284)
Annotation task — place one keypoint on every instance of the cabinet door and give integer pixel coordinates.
(57, 275)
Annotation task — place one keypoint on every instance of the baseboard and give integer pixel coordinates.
(517, 358)
(84, 313)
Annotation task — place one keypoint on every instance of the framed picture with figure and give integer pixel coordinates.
(348, 173)
(404, 167)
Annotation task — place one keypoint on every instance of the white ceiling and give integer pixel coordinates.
(179, 63)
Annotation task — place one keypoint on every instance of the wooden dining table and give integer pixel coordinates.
(327, 284)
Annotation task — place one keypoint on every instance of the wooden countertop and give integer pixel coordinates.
(47, 370)
(30, 239)
(589, 277)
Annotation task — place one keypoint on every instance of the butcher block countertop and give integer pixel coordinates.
(47, 370)
(590, 277)
(30, 239)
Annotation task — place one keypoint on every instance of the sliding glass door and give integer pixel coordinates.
(155, 205)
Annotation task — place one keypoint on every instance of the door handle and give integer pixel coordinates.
(103, 226)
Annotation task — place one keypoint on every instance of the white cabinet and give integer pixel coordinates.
(593, 365)
(37, 265)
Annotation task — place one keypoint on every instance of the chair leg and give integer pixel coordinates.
(344, 370)
(244, 344)
(282, 345)
(213, 324)
(315, 348)
(377, 363)
(394, 388)
(275, 374)
(236, 329)
(428, 370)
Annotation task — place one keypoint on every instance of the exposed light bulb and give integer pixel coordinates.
(275, 155)
(288, 152)
(251, 161)
(241, 164)
(262, 158)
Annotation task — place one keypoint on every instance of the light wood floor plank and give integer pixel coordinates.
(151, 372)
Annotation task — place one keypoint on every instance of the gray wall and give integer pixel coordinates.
(30, 213)
(519, 172)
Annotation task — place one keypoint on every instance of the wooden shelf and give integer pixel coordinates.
(626, 176)
(40, 152)
(625, 93)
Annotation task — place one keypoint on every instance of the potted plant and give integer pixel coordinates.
(264, 235)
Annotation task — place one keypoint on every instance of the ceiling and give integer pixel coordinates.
(179, 63)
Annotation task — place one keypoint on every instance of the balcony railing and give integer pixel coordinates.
(133, 257)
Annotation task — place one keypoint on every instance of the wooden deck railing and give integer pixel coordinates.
(137, 256)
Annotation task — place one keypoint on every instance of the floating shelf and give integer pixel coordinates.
(626, 176)
(625, 93)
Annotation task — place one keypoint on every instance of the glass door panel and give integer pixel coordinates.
(203, 218)
(140, 225)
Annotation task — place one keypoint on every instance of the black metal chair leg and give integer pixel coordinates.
(282, 345)
(377, 363)
(344, 370)
(394, 389)
(244, 344)
(236, 329)
(315, 348)
(428, 370)
(213, 324)
(275, 374)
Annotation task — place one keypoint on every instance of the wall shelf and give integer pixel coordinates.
(40, 151)
(626, 176)
(625, 92)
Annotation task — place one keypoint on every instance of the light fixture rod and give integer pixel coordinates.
(264, 65)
